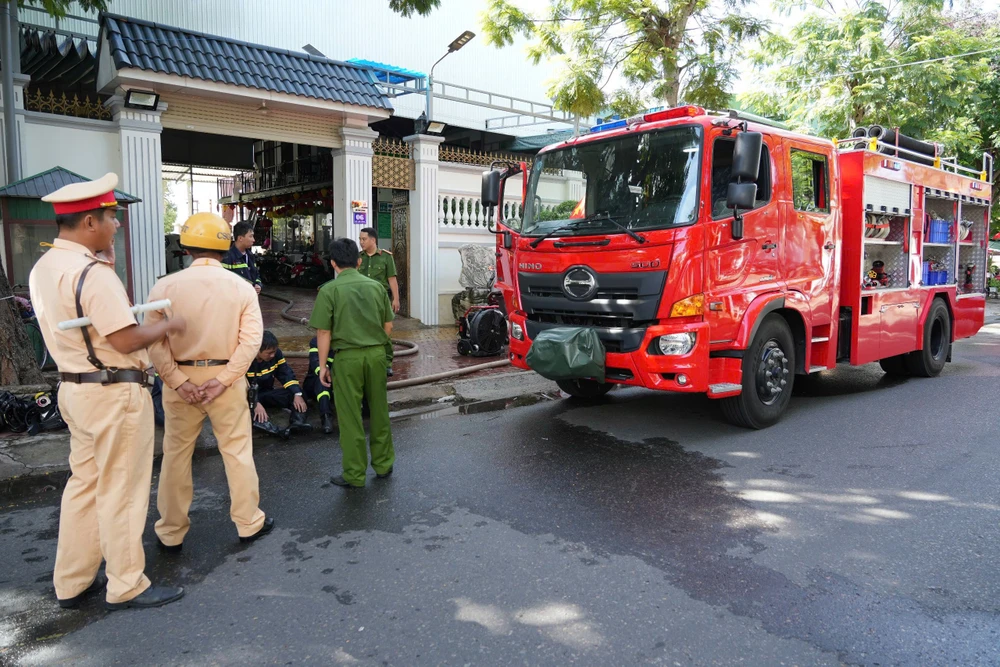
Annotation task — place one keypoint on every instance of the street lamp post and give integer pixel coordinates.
(457, 44)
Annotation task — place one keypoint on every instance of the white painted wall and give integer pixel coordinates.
(88, 147)
(344, 29)
(463, 183)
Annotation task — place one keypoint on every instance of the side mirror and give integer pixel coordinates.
(746, 156)
(491, 188)
(740, 196)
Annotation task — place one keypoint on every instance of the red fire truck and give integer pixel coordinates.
(722, 254)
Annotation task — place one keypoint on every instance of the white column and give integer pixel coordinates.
(142, 174)
(20, 83)
(423, 224)
(352, 179)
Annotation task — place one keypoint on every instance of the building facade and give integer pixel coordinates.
(234, 83)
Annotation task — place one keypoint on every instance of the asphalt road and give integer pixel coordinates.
(862, 529)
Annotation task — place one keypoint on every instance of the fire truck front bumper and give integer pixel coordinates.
(672, 357)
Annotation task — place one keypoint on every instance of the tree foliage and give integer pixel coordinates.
(663, 50)
(59, 8)
(408, 7)
(898, 63)
(169, 209)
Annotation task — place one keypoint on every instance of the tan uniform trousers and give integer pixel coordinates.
(105, 501)
(230, 418)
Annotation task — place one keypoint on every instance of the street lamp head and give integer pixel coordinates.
(461, 41)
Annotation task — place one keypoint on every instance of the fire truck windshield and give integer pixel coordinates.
(641, 181)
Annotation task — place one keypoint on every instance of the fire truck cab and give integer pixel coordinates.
(724, 255)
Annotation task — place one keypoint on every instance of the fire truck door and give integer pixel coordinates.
(738, 271)
(809, 257)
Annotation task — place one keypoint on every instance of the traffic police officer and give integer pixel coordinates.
(353, 317)
(380, 266)
(204, 373)
(104, 399)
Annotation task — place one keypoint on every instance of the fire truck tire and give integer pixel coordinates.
(589, 390)
(768, 377)
(895, 365)
(930, 361)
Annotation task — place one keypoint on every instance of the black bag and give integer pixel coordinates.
(567, 353)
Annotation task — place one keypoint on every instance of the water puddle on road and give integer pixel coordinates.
(478, 407)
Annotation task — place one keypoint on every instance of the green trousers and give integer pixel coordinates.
(389, 352)
(360, 373)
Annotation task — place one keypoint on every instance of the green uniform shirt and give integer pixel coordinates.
(353, 309)
(379, 267)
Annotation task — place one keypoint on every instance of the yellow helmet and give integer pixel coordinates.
(206, 231)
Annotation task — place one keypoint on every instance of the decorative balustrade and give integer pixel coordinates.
(467, 212)
(390, 147)
(466, 156)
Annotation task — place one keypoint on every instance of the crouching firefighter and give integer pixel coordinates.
(276, 388)
(315, 391)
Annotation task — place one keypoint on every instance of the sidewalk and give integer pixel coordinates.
(438, 345)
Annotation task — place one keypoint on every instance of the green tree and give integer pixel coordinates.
(408, 7)
(902, 64)
(59, 8)
(169, 209)
(664, 50)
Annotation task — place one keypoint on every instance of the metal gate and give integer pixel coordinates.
(401, 246)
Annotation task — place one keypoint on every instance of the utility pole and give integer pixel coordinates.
(11, 58)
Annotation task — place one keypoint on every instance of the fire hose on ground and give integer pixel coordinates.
(409, 348)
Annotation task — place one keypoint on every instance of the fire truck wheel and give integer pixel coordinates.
(895, 365)
(930, 361)
(590, 390)
(768, 377)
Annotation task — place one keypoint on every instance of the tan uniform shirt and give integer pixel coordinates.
(53, 284)
(223, 322)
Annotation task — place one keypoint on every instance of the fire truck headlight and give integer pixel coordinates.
(516, 332)
(676, 344)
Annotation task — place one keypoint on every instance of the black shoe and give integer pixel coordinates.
(100, 581)
(154, 596)
(264, 530)
(271, 428)
(297, 422)
(340, 481)
(169, 548)
(385, 474)
(388, 372)
(327, 423)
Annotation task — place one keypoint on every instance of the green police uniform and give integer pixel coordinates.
(380, 267)
(354, 309)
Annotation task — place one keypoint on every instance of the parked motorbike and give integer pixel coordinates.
(310, 270)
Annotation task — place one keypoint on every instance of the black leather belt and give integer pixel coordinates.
(204, 362)
(109, 376)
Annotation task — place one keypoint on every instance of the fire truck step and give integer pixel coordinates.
(816, 369)
(724, 388)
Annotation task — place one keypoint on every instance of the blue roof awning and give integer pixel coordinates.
(391, 72)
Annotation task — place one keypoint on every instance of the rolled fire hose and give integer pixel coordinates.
(163, 304)
(411, 348)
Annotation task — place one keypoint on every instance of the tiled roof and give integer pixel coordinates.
(158, 48)
(47, 182)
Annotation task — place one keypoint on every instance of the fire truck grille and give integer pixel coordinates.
(621, 307)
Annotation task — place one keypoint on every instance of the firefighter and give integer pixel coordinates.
(353, 317)
(270, 366)
(104, 399)
(204, 373)
(239, 258)
(380, 266)
(314, 389)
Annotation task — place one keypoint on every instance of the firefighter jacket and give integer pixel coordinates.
(274, 374)
(241, 264)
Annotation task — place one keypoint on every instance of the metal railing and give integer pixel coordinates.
(942, 163)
